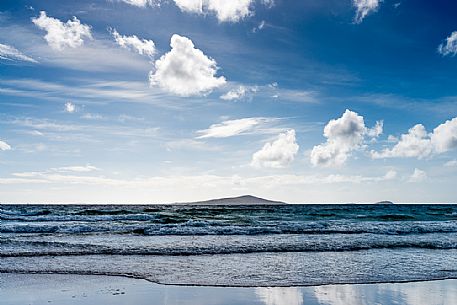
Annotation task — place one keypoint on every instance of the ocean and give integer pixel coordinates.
(277, 245)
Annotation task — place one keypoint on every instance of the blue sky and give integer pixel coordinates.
(146, 101)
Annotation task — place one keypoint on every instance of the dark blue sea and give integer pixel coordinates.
(278, 245)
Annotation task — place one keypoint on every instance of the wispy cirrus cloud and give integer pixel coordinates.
(235, 94)
(64, 169)
(141, 3)
(230, 128)
(259, 27)
(10, 53)
(417, 176)
(240, 92)
(449, 47)
(92, 116)
(63, 130)
(86, 89)
(190, 144)
(364, 8)
(76, 168)
(4, 146)
(452, 163)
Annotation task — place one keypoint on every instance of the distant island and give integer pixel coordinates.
(384, 202)
(241, 200)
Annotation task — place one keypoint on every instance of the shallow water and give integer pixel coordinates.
(234, 245)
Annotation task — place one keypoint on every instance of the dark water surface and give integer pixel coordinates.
(280, 245)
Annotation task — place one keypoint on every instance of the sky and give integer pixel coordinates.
(161, 101)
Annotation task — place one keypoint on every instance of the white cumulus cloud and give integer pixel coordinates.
(449, 47)
(364, 8)
(278, 153)
(70, 107)
(415, 143)
(11, 53)
(344, 135)
(185, 70)
(444, 137)
(133, 43)
(230, 128)
(190, 6)
(377, 130)
(62, 35)
(418, 143)
(226, 11)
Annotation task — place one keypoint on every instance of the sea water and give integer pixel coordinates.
(277, 245)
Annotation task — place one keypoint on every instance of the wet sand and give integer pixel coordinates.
(40, 289)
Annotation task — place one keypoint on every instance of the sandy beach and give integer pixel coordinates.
(40, 289)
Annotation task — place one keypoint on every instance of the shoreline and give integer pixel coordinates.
(135, 277)
(73, 289)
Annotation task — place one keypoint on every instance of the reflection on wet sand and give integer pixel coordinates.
(280, 295)
(43, 289)
(426, 293)
(353, 295)
(437, 292)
